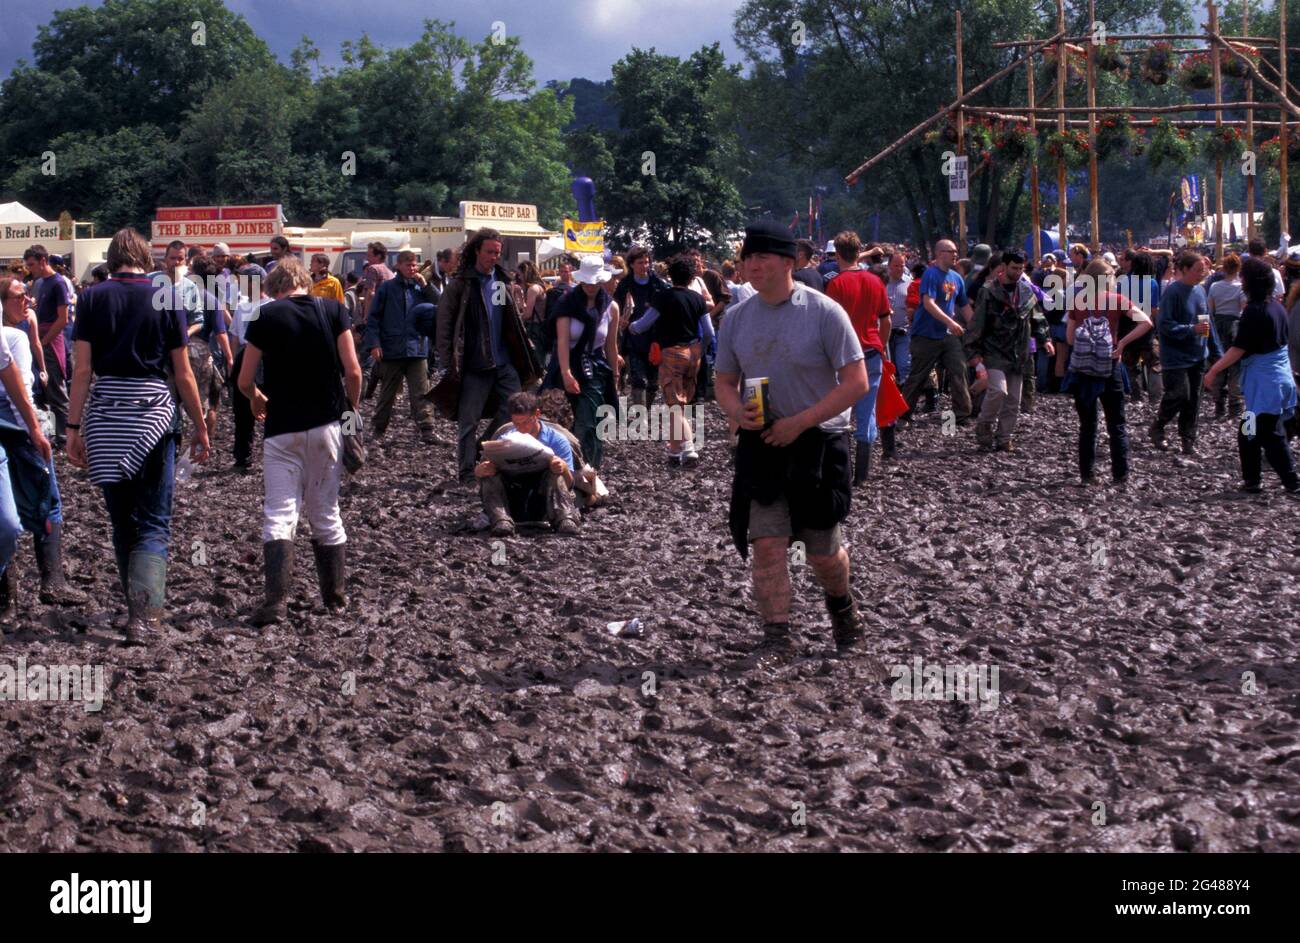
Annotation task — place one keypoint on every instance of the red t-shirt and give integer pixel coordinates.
(1113, 306)
(862, 295)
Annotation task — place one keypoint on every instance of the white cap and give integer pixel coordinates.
(830, 245)
(1108, 258)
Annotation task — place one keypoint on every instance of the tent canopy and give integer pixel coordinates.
(17, 213)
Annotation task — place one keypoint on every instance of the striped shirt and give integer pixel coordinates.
(125, 419)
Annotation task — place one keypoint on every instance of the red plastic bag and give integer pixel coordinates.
(889, 401)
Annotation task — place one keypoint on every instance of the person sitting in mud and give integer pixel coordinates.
(545, 494)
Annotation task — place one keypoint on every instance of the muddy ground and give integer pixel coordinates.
(462, 704)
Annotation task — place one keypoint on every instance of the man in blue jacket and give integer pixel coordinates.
(1183, 346)
(397, 336)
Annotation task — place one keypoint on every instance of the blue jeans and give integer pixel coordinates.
(864, 410)
(140, 508)
(10, 526)
(900, 352)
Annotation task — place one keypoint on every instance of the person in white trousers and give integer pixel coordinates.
(305, 346)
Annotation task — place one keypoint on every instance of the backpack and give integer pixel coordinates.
(1093, 346)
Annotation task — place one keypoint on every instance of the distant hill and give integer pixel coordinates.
(590, 107)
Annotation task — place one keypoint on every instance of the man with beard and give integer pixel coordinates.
(482, 342)
(1006, 317)
(792, 479)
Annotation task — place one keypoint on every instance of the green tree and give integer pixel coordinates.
(114, 77)
(674, 161)
(440, 121)
(836, 81)
(114, 179)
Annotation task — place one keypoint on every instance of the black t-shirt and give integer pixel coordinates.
(129, 335)
(680, 311)
(641, 294)
(1263, 328)
(810, 277)
(303, 383)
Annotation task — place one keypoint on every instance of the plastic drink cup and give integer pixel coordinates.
(756, 391)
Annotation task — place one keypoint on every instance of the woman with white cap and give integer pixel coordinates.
(586, 351)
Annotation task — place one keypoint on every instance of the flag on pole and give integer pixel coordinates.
(794, 223)
(810, 216)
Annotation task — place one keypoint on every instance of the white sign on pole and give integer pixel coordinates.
(958, 183)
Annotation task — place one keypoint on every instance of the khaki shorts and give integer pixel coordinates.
(205, 373)
(773, 520)
(678, 368)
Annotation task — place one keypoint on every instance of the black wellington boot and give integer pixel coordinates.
(277, 564)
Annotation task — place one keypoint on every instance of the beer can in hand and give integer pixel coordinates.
(756, 391)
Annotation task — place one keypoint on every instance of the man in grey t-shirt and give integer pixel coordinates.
(804, 344)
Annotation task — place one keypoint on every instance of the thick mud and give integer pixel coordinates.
(471, 698)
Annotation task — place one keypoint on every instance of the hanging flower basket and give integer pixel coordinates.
(1013, 141)
(1070, 147)
(979, 136)
(1271, 150)
(1076, 64)
(1157, 62)
(1169, 147)
(944, 134)
(1114, 137)
(1225, 144)
(1109, 58)
(1197, 72)
(1230, 65)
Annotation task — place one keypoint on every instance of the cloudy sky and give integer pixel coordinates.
(565, 38)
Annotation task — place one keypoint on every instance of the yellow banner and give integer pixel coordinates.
(584, 238)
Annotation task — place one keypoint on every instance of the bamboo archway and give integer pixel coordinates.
(1217, 46)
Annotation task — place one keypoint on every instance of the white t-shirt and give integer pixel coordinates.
(740, 292)
(576, 329)
(15, 349)
(245, 311)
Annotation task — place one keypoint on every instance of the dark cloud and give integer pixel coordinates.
(566, 38)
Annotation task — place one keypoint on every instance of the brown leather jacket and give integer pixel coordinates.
(462, 299)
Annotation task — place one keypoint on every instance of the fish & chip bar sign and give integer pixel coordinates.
(32, 231)
(216, 223)
(472, 211)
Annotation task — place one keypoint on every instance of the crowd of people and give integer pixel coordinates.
(813, 356)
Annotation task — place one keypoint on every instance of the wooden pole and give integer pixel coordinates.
(1092, 135)
(1132, 109)
(1284, 207)
(1250, 133)
(961, 148)
(1083, 123)
(1254, 73)
(1218, 125)
(1250, 40)
(852, 178)
(1035, 219)
(1062, 232)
